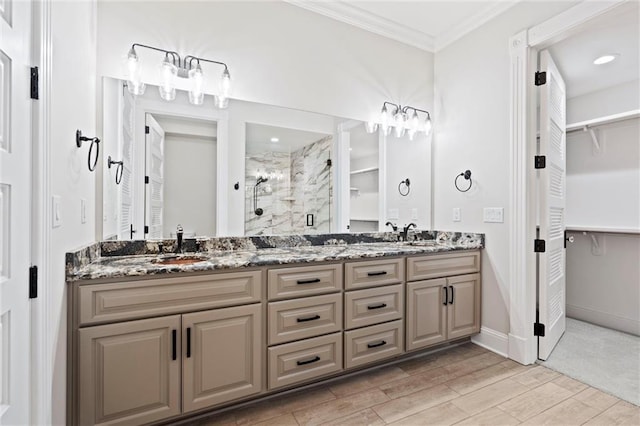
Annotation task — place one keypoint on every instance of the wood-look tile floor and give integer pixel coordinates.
(464, 385)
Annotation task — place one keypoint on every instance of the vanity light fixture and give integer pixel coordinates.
(401, 120)
(173, 67)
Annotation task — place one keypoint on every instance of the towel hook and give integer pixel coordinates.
(94, 142)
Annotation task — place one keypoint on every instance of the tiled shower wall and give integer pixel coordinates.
(305, 189)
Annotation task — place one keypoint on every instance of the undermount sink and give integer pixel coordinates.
(180, 259)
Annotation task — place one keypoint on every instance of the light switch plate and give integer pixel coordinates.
(56, 214)
(414, 214)
(457, 217)
(494, 214)
(394, 214)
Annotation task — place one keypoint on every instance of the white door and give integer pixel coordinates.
(125, 189)
(15, 195)
(552, 194)
(154, 198)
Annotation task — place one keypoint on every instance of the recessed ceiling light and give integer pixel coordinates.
(274, 140)
(604, 59)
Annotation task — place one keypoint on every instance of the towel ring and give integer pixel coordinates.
(467, 176)
(94, 142)
(119, 169)
(406, 183)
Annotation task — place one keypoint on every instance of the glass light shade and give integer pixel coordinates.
(399, 121)
(168, 74)
(414, 123)
(385, 120)
(225, 84)
(222, 102)
(134, 82)
(196, 94)
(427, 126)
(370, 126)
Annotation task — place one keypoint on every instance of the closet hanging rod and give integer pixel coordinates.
(580, 126)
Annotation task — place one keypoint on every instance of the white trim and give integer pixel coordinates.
(604, 319)
(609, 119)
(606, 230)
(492, 340)
(567, 22)
(44, 323)
(382, 181)
(471, 23)
(522, 201)
(368, 21)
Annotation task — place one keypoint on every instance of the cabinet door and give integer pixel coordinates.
(464, 306)
(130, 372)
(222, 356)
(426, 313)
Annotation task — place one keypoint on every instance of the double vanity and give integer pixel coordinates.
(155, 337)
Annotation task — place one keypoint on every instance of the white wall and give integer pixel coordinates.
(613, 100)
(72, 106)
(189, 185)
(278, 54)
(471, 124)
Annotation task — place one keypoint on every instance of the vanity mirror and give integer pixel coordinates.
(205, 169)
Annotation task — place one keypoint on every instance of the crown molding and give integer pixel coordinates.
(360, 18)
(357, 17)
(471, 23)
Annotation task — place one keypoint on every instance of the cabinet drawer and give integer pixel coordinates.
(304, 360)
(304, 281)
(136, 299)
(373, 306)
(442, 265)
(306, 317)
(373, 273)
(373, 343)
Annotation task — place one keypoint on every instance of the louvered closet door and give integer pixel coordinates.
(125, 189)
(552, 183)
(155, 171)
(15, 214)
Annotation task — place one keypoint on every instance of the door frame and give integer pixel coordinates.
(523, 51)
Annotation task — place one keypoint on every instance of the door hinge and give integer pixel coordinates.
(539, 246)
(146, 229)
(541, 78)
(146, 179)
(540, 161)
(538, 329)
(34, 83)
(146, 130)
(33, 282)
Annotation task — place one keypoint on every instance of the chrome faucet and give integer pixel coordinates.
(179, 233)
(405, 231)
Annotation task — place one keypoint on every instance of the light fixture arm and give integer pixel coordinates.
(397, 107)
(173, 54)
(191, 58)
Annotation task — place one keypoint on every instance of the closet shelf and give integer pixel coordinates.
(608, 230)
(603, 120)
(365, 170)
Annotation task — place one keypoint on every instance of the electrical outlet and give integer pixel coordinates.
(494, 214)
(457, 217)
(414, 214)
(56, 214)
(394, 214)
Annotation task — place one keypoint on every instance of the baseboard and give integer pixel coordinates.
(492, 340)
(604, 319)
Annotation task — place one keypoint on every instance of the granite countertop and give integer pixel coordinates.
(129, 259)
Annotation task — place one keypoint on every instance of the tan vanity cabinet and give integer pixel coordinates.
(442, 309)
(373, 306)
(373, 273)
(129, 372)
(284, 283)
(442, 265)
(221, 355)
(373, 343)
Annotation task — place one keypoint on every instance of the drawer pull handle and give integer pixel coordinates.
(446, 295)
(309, 361)
(188, 342)
(315, 317)
(380, 306)
(174, 344)
(311, 281)
(375, 274)
(452, 296)
(376, 345)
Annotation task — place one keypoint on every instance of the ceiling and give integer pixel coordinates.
(258, 137)
(615, 32)
(427, 24)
